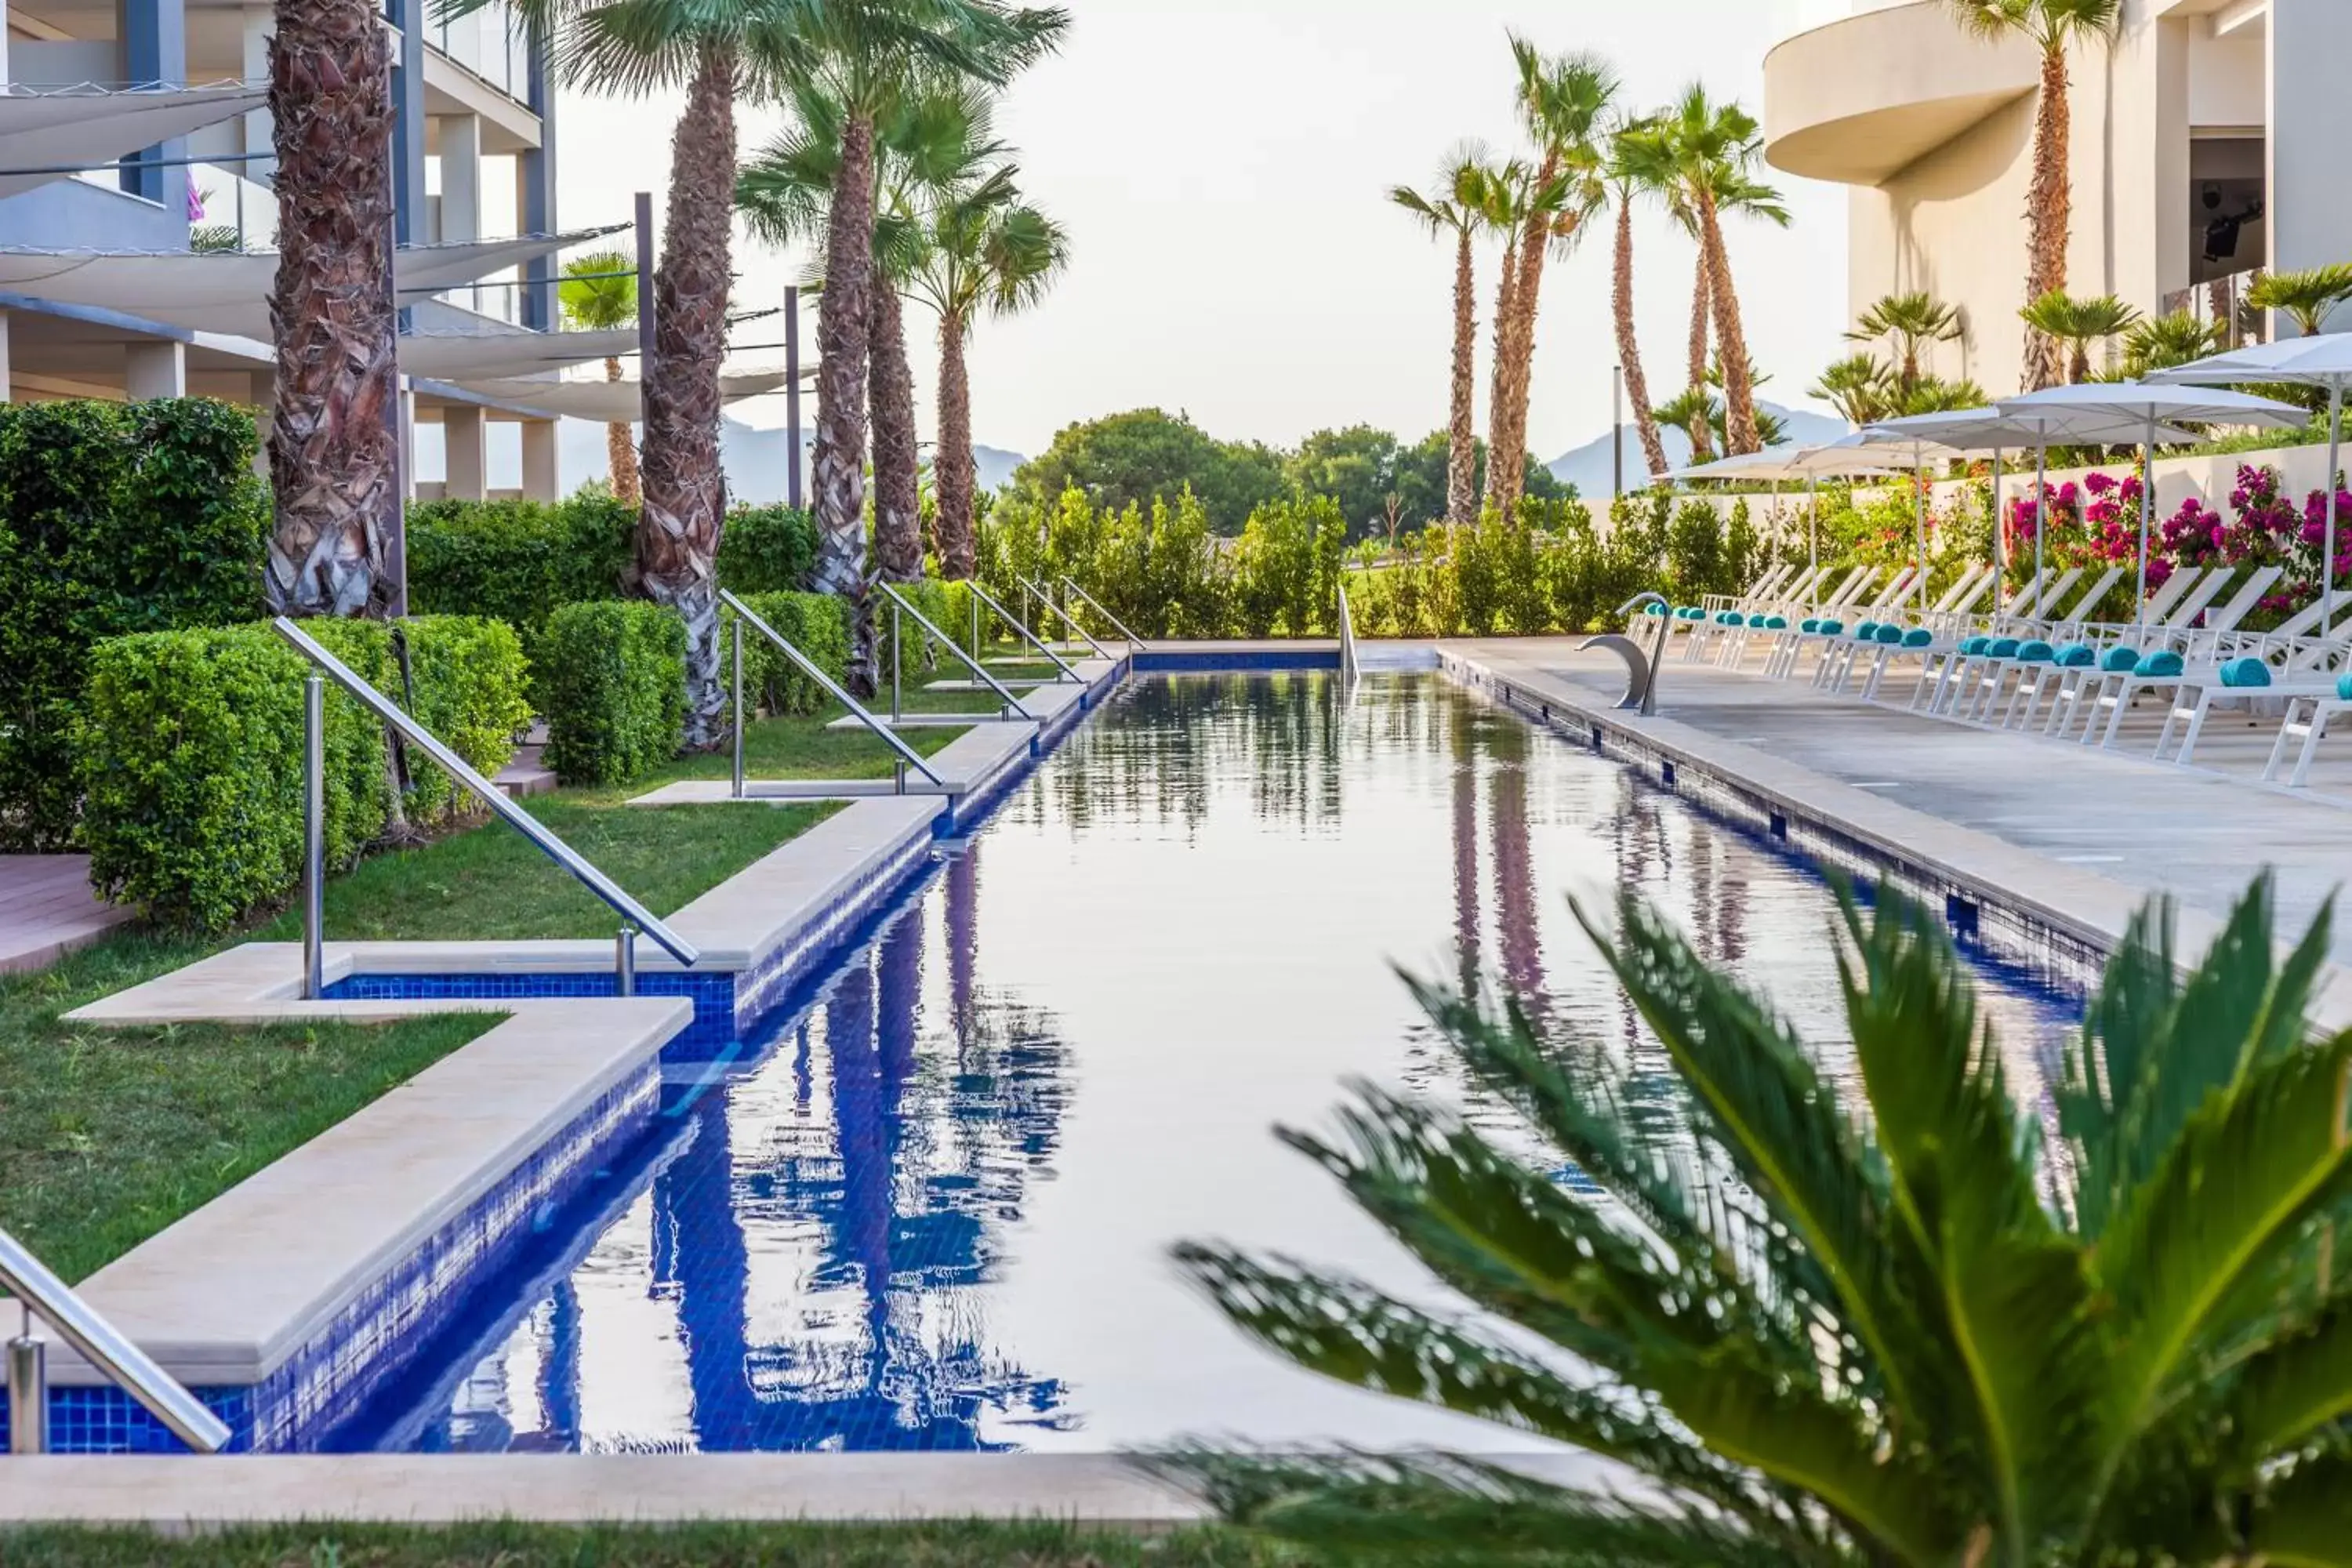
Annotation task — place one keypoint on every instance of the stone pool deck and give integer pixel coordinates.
(47, 911)
(2069, 838)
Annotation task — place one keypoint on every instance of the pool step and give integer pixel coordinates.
(524, 775)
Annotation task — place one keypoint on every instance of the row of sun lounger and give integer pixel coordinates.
(2038, 663)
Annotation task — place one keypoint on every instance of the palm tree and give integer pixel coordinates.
(1563, 102)
(865, 56)
(599, 292)
(1639, 165)
(2053, 26)
(1893, 1332)
(1694, 413)
(1456, 203)
(2079, 324)
(2308, 297)
(986, 249)
(1514, 206)
(2167, 340)
(1934, 394)
(1715, 148)
(1912, 321)
(1858, 386)
(333, 440)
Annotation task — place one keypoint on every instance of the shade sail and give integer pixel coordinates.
(46, 133)
(511, 351)
(610, 402)
(228, 291)
(1778, 463)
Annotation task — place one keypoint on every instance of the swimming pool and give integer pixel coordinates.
(930, 1207)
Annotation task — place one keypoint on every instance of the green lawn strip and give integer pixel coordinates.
(109, 1135)
(1043, 1545)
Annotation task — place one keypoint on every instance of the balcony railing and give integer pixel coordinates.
(2222, 301)
(237, 213)
(491, 43)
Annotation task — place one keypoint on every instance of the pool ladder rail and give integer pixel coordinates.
(1071, 586)
(40, 1293)
(906, 755)
(1349, 666)
(634, 917)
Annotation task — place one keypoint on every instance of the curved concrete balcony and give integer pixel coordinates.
(1858, 99)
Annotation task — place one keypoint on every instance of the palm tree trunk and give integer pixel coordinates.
(898, 476)
(1461, 420)
(953, 468)
(2052, 206)
(1740, 436)
(1507, 449)
(1628, 343)
(1498, 390)
(1702, 315)
(621, 451)
(836, 468)
(333, 441)
(684, 488)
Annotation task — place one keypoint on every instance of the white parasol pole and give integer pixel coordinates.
(2147, 509)
(2041, 490)
(2334, 443)
(1813, 534)
(1999, 567)
(1923, 531)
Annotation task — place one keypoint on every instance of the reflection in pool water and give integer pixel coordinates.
(931, 1209)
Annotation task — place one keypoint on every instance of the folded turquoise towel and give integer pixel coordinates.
(1809, 624)
(1756, 621)
(2119, 661)
(2245, 672)
(2002, 648)
(2033, 650)
(1971, 646)
(1830, 627)
(1690, 612)
(2161, 665)
(1866, 631)
(2078, 656)
(1654, 608)
(1729, 618)
(2344, 687)
(1776, 623)
(1917, 637)
(1890, 636)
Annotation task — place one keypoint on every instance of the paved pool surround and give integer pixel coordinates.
(288, 1300)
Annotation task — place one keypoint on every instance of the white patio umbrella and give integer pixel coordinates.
(1841, 458)
(2323, 361)
(1990, 430)
(1917, 451)
(2151, 404)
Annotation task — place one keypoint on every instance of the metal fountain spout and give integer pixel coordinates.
(1640, 664)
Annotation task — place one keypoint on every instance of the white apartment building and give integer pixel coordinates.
(2207, 145)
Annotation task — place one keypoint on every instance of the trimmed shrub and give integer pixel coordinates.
(612, 684)
(189, 752)
(817, 625)
(767, 549)
(114, 518)
(517, 561)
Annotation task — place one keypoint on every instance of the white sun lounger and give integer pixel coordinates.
(2118, 689)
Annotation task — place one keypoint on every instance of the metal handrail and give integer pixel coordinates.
(128, 1367)
(1347, 665)
(1066, 669)
(962, 657)
(635, 916)
(833, 689)
(1117, 624)
(1047, 600)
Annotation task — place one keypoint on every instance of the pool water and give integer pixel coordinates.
(930, 1208)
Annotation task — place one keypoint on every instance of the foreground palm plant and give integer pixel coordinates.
(1894, 1332)
(2307, 297)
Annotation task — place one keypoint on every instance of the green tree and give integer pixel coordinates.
(1640, 166)
(1860, 387)
(1890, 1333)
(1421, 474)
(1909, 322)
(1144, 455)
(2052, 27)
(2309, 296)
(1355, 467)
(2079, 324)
(1715, 148)
(599, 293)
(2164, 341)
(1457, 206)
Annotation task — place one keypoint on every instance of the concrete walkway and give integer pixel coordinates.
(2074, 829)
(47, 910)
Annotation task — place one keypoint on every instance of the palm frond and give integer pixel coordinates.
(2306, 1523)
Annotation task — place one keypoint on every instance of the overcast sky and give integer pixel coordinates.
(1220, 165)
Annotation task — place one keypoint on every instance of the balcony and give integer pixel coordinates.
(1860, 100)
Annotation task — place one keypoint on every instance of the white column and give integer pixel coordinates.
(155, 370)
(8, 394)
(461, 137)
(260, 129)
(540, 480)
(2310, 223)
(461, 434)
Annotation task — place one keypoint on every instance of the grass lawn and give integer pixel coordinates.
(510, 1545)
(107, 1136)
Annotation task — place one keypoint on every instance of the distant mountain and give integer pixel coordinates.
(1588, 466)
(755, 460)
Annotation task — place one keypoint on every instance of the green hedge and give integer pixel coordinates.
(612, 684)
(114, 518)
(189, 751)
(517, 561)
(816, 624)
(767, 549)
